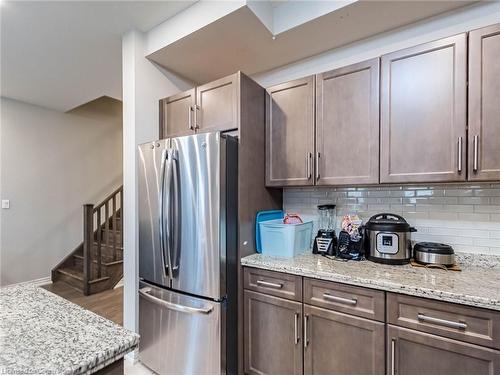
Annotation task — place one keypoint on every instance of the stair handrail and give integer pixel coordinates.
(93, 227)
(108, 198)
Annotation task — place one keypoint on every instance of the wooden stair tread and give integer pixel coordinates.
(77, 273)
(72, 271)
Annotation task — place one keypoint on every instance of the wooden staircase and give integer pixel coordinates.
(97, 263)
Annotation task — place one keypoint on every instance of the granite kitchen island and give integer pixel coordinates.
(42, 333)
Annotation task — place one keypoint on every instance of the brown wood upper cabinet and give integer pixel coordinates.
(484, 107)
(211, 107)
(290, 133)
(217, 104)
(423, 112)
(176, 114)
(341, 147)
(347, 125)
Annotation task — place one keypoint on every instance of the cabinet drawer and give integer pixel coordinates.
(364, 302)
(469, 324)
(273, 283)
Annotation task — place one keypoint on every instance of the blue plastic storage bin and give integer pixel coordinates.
(264, 216)
(285, 240)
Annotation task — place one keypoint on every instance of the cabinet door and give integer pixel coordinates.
(176, 115)
(484, 104)
(217, 104)
(347, 125)
(414, 353)
(290, 133)
(423, 113)
(272, 332)
(342, 344)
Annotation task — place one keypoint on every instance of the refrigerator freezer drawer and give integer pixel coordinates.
(180, 334)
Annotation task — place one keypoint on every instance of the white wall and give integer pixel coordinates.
(143, 85)
(51, 164)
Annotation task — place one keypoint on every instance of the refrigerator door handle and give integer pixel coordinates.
(165, 267)
(145, 292)
(174, 214)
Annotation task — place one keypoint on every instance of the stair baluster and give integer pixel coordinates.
(88, 239)
(114, 227)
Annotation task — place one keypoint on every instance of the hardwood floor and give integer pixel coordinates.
(108, 304)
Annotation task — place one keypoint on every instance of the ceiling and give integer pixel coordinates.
(60, 55)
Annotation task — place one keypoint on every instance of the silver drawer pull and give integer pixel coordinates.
(441, 322)
(345, 301)
(269, 285)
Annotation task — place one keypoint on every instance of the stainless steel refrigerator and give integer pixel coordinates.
(188, 255)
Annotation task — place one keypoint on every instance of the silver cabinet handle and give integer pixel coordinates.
(269, 285)
(476, 152)
(196, 111)
(345, 301)
(190, 118)
(393, 360)
(173, 306)
(318, 155)
(308, 165)
(459, 154)
(306, 341)
(296, 326)
(441, 322)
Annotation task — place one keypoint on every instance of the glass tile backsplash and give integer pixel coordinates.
(466, 216)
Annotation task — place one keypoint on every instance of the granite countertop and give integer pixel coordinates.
(478, 284)
(42, 333)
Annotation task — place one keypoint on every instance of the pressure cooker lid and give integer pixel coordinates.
(326, 207)
(433, 248)
(389, 223)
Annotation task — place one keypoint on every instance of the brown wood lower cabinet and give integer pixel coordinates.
(411, 352)
(362, 332)
(342, 344)
(273, 327)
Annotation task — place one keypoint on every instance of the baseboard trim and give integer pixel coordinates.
(37, 282)
(119, 284)
(133, 356)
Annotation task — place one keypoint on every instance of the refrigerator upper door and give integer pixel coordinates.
(153, 262)
(197, 246)
(180, 334)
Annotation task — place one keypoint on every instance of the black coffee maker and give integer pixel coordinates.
(326, 240)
